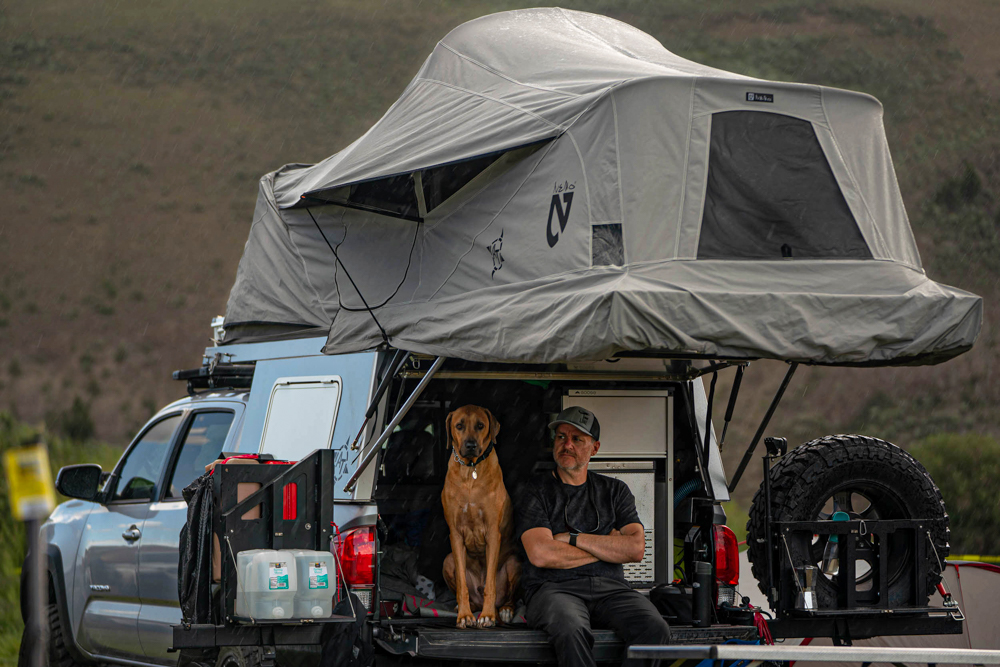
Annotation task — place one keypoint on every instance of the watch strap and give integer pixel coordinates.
(572, 539)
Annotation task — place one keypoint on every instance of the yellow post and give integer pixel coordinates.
(32, 499)
(29, 478)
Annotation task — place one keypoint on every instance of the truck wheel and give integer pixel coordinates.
(869, 479)
(236, 656)
(57, 655)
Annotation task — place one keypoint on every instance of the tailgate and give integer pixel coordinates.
(442, 640)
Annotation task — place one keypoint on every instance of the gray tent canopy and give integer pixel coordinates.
(556, 186)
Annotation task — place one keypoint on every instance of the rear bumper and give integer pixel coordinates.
(444, 641)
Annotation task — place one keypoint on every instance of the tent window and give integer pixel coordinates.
(393, 196)
(440, 183)
(771, 193)
(606, 246)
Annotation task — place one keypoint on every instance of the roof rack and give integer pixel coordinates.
(217, 376)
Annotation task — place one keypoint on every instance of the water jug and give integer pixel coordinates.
(267, 582)
(317, 582)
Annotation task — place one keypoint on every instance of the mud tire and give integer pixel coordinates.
(57, 654)
(896, 485)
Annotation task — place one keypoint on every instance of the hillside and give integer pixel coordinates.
(132, 137)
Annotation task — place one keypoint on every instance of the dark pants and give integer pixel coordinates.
(567, 611)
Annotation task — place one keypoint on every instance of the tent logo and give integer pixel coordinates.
(760, 97)
(563, 196)
(495, 253)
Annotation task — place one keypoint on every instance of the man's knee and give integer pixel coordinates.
(650, 627)
(558, 614)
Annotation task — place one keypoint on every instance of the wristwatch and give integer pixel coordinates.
(572, 539)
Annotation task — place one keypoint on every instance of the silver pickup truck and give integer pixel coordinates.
(113, 554)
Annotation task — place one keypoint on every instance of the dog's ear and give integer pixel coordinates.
(447, 429)
(494, 426)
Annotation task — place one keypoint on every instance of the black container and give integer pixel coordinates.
(702, 594)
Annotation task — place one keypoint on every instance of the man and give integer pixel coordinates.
(577, 529)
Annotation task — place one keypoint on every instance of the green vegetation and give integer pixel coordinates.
(62, 451)
(967, 470)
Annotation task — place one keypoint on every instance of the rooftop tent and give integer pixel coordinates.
(555, 186)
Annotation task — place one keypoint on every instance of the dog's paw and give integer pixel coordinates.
(487, 619)
(506, 614)
(465, 619)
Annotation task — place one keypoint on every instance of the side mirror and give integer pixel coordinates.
(79, 481)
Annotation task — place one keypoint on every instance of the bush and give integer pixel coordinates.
(966, 468)
(74, 423)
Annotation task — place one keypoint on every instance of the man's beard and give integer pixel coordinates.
(577, 464)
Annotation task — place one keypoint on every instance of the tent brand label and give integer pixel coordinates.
(318, 577)
(760, 97)
(562, 201)
(277, 575)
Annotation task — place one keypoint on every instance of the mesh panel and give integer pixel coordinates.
(771, 193)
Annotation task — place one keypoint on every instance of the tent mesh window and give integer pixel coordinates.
(440, 183)
(607, 248)
(771, 193)
(393, 196)
(396, 195)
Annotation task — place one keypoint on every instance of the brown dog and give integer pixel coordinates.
(481, 567)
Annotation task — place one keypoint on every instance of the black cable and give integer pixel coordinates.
(346, 273)
(409, 260)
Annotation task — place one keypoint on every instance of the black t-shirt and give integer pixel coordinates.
(597, 506)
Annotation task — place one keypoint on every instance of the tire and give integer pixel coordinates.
(868, 478)
(57, 653)
(239, 656)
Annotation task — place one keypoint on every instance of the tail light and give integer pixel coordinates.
(356, 551)
(357, 556)
(727, 565)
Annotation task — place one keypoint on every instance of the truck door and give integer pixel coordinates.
(203, 436)
(110, 545)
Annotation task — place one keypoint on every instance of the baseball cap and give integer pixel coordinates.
(583, 419)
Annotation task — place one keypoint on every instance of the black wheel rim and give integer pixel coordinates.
(864, 500)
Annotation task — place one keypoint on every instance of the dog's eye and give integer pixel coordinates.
(459, 426)
(479, 426)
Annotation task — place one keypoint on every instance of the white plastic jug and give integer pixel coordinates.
(316, 584)
(267, 582)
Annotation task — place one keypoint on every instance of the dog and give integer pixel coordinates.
(482, 568)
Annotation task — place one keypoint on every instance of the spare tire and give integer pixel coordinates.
(869, 479)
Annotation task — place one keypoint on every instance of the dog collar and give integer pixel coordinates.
(476, 462)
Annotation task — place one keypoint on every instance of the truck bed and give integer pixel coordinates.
(440, 639)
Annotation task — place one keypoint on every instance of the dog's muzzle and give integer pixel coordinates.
(469, 448)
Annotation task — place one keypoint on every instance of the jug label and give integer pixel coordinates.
(318, 576)
(278, 577)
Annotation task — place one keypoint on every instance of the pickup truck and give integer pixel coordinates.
(113, 553)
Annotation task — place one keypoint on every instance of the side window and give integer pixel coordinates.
(144, 463)
(771, 193)
(202, 444)
(301, 416)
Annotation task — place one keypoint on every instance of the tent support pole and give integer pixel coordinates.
(394, 366)
(763, 425)
(733, 393)
(373, 452)
(708, 425)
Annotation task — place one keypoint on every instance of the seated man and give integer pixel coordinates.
(577, 529)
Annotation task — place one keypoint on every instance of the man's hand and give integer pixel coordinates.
(553, 551)
(625, 546)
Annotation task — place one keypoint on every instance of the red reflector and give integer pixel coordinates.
(357, 556)
(727, 556)
(290, 504)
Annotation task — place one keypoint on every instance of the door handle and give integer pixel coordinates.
(132, 534)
